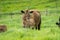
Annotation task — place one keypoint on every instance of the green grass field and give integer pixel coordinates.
(15, 31)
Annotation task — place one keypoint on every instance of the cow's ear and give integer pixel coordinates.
(22, 11)
(31, 11)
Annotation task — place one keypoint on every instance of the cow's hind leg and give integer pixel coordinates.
(38, 26)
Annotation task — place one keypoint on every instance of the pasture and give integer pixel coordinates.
(49, 29)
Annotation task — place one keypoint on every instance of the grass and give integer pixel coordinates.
(15, 31)
(17, 5)
(49, 30)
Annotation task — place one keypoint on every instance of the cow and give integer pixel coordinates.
(31, 19)
(3, 28)
(58, 23)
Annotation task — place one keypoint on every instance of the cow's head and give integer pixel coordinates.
(3, 28)
(27, 13)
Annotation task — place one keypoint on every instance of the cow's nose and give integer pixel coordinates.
(28, 17)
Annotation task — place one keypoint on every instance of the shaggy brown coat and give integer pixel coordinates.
(32, 19)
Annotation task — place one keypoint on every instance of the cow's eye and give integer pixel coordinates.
(31, 11)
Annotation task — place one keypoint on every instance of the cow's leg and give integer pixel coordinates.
(36, 27)
(32, 27)
(39, 25)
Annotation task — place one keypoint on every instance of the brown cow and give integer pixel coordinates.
(31, 18)
(3, 28)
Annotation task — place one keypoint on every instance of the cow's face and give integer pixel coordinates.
(27, 14)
